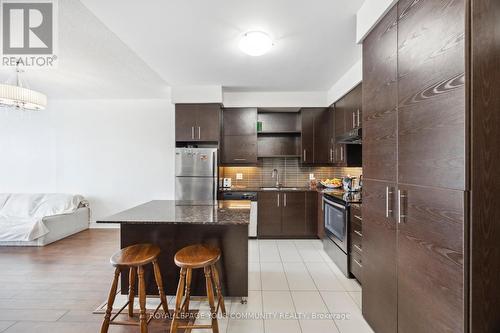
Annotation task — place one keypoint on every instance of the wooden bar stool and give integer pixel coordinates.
(189, 258)
(135, 257)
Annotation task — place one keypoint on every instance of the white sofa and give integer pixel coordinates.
(40, 219)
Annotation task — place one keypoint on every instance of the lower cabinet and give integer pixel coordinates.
(287, 214)
(356, 243)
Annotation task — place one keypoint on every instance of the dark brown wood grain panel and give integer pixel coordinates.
(431, 261)
(269, 214)
(293, 218)
(485, 162)
(380, 100)
(322, 136)
(379, 304)
(208, 122)
(239, 121)
(307, 137)
(185, 122)
(431, 93)
(278, 145)
(239, 149)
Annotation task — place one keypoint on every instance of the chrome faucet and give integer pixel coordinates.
(276, 174)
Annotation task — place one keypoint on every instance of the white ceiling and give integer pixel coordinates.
(195, 42)
(93, 63)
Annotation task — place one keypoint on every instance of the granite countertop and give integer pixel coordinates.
(224, 212)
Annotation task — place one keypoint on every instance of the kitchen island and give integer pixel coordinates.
(172, 225)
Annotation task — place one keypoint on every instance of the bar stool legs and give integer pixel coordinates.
(131, 290)
(134, 258)
(210, 295)
(111, 300)
(220, 298)
(178, 300)
(159, 283)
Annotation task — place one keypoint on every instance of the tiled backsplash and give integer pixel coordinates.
(291, 172)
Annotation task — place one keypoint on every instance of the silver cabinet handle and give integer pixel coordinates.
(331, 155)
(239, 159)
(359, 120)
(357, 262)
(278, 202)
(401, 215)
(358, 248)
(305, 155)
(353, 120)
(199, 132)
(192, 132)
(358, 217)
(388, 210)
(284, 200)
(342, 153)
(358, 233)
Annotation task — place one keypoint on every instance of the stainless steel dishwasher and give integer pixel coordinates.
(252, 196)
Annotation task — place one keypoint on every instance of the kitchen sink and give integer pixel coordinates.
(280, 188)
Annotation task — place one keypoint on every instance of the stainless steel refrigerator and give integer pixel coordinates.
(196, 174)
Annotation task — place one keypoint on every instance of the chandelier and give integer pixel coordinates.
(20, 97)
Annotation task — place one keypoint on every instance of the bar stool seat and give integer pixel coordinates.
(196, 256)
(135, 255)
(134, 258)
(189, 258)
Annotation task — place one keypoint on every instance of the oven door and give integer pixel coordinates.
(336, 223)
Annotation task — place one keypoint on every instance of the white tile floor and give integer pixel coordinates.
(290, 282)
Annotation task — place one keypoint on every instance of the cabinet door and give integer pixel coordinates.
(339, 117)
(307, 116)
(340, 154)
(311, 213)
(208, 122)
(432, 94)
(240, 121)
(269, 214)
(322, 136)
(380, 294)
(321, 216)
(380, 100)
(294, 214)
(430, 260)
(185, 122)
(239, 149)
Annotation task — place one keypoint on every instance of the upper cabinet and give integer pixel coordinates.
(317, 135)
(239, 142)
(197, 122)
(347, 116)
(348, 111)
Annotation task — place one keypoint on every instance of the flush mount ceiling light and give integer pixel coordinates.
(255, 43)
(20, 97)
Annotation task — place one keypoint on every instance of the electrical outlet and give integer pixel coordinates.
(239, 176)
(311, 176)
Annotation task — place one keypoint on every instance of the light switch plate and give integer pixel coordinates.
(311, 176)
(239, 176)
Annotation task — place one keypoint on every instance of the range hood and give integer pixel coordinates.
(352, 137)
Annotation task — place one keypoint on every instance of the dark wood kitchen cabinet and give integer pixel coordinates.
(356, 242)
(269, 214)
(307, 137)
(348, 111)
(239, 141)
(412, 214)
(197, 122)
(287, 214)
(316, 135)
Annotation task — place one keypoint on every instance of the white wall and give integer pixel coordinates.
(275, 99)
(117, 153)
(197, 94)
(348, 81)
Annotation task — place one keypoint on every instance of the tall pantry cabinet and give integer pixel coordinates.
(421, 270)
